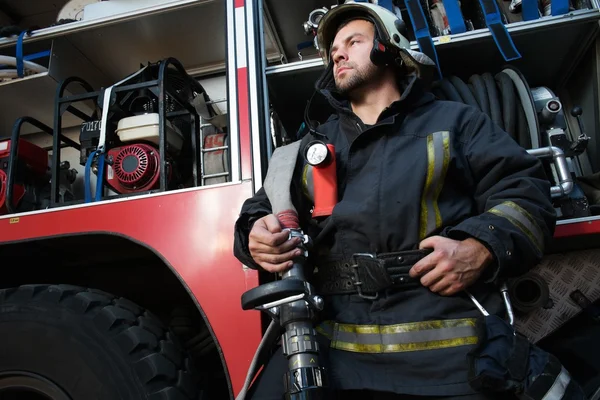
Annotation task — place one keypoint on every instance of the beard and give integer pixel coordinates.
(357, 78)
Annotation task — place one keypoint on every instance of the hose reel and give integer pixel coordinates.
(534, 118)
(505, 97)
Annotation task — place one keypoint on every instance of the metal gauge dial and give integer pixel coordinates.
(316, 153)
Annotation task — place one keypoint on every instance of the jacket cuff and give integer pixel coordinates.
(488, 235)
(240, 250)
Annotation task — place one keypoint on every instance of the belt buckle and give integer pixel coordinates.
(357, 283)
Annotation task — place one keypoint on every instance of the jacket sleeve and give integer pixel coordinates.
(253, 208)
(515, 216)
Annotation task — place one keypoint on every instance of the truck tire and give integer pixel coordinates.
(68, 342)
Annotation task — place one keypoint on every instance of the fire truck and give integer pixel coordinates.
(132, 132)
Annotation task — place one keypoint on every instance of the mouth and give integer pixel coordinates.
(343, 69)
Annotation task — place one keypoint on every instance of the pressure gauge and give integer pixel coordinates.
(316, 153)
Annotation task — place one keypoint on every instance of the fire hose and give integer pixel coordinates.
(12, 73)
(291, 301)
(505, 97)
(509, 102)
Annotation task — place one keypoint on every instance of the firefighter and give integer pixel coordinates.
(431, 192)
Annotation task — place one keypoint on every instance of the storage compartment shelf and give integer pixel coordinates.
(70, 28)
(193, 31)
(117, 45)
(105, 50)
(520, 27)
(549, 47)
(109, 49)
(34, 95)
(39, 92)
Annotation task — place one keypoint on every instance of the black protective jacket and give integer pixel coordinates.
(427, 167)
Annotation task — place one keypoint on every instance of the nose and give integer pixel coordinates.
(340, 55)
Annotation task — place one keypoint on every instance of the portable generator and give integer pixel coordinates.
(147, 137)
(30, 183)
(31, 173)
(135, 165)
(26, 171)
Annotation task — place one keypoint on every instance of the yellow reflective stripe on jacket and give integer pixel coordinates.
(414, 336)
(307, 181)
(438, 159)
(521, 219)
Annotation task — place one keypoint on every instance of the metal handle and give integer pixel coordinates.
(509, 309)
(565, 185)
(507, 303)
(478, 304)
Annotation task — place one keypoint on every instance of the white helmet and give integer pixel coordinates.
(386, 33)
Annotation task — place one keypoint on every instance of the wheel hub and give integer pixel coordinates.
(21, 385)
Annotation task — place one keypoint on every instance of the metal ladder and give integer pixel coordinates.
(205, 151)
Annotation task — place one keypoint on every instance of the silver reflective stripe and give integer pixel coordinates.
(557, 391)
(521, 219)
(438, 159)
(405, 337)
(411, 336)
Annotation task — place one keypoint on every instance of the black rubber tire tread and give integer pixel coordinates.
(183, 325)
(152, 351)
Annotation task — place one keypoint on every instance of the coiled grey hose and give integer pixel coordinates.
(480, 93)
(271, 334)
(464, 91)
(494, 99)
(509, 106)
(503, 97)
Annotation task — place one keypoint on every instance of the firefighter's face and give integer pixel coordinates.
(350, 52)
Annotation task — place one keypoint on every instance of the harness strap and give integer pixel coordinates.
(530, 10)
(455, 17)
(422, 33)
(388, 4)
(19, 57)
(498, 30)
(559, 7)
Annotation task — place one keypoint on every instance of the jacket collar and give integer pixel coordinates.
(412, 89)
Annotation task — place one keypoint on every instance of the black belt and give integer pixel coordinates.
(367, 274)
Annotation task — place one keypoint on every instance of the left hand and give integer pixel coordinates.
(452, 266)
